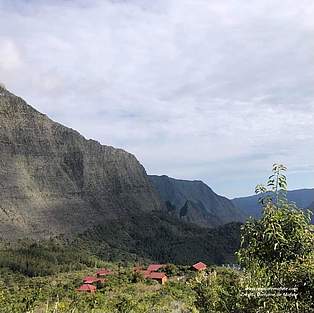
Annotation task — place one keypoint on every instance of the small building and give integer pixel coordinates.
(103, 272)
(160, 277)
(154, 267)
(200, 266)
(87, 288)
(145, 273)
(90, 280)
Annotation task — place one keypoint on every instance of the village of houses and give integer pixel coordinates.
(152, 272)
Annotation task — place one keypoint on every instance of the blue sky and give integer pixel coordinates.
(196, 89)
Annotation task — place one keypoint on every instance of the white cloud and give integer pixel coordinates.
(9, 55)
(196, 89)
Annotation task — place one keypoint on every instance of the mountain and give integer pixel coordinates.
(250, 206)
(54, 181)
(56, 184)
(195, 202)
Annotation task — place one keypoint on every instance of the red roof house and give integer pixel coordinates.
(86, 288)
(103, 272)
(154, 267)
(90, 280)
(160, 277)
(144, 273)
(200, 266)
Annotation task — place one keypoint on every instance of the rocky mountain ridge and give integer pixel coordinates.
(54, 181)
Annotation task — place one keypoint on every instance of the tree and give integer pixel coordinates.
(280, 245)
(276, 189)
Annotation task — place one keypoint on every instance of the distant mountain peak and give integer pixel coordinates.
(251, 207)
(195, 202)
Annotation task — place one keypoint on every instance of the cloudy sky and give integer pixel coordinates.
(216, 90)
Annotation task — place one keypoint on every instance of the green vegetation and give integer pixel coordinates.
(276, 256)
(278, 250)
(161, 237)
(42, 277)
(46, 258)
(124, 241)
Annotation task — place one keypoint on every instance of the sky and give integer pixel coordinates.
(212, 90)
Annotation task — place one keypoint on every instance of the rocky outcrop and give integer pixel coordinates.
(54, 181)
(195, 202)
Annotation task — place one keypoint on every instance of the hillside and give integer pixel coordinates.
(54, 181)
(195, 202)
(163, 238)
(250, 206)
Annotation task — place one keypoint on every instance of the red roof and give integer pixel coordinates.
(200, 266)
(155, 275)
(87, 288)
(103, 272)
(146, 274)
(154, 267)
(90, 279)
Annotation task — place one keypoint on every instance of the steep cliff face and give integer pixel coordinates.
(195, 202)
(54, 181)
